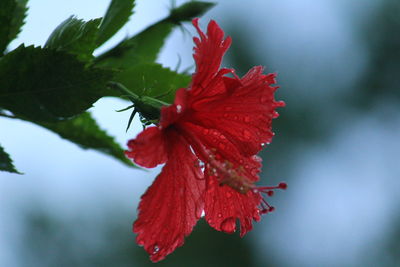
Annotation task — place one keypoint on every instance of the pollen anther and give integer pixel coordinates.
(265, 207)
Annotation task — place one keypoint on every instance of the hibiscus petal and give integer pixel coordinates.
(244, 113)
(148, 149)
(171, 207)
(224, 150)
(172, 113)
(224, 206)
(208, 53)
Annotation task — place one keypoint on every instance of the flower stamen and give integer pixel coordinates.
(265, 207)
(229, 176)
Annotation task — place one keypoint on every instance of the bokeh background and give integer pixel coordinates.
(337, 145)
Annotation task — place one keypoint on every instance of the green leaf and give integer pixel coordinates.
(17, 22)
(142, 48)
(189, 10)
(117, 15)
(6, 163)
(47, 85)
(75, 36)
(145, 46)
(12, 15)
(84, 131)
(153, 80)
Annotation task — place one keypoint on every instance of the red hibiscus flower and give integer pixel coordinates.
(208, 139)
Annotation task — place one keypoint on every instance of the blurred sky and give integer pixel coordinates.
(343, 195)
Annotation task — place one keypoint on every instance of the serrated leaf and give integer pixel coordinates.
(117, 15)
(6, 163)
(84, 131)
(145, 46)
(153, 80)
(12, 14)
(17, 22)
(189, 11)
(75, 36)
(47, 85)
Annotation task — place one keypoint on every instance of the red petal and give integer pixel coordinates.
(215, 89)
(244, 113)
(172, 205)
(170, 114)
(208, 53)
(148, 149)
(223, 206)
(223, 148)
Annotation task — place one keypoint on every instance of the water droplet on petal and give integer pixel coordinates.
(228, 225)
(246, 119)
(199, 164)
(256, 215)
(254, 172)
(205, 131)
(246, 134)
(257, 158)
(178, 108)
(219, 215)
(156, 249)
(140, 242)
(263, 99)
(199, 211)
(210, 190)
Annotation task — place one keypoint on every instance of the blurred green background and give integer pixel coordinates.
(336, 144)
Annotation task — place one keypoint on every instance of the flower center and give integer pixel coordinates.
(228, 175)
(226, 172)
